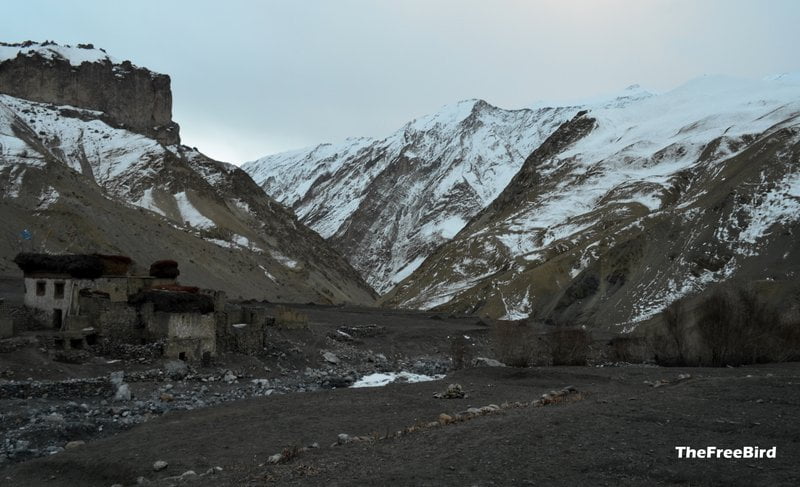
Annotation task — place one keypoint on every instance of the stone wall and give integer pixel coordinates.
(242, 329)
(113, 320)
(40, 295)
(70, 388)
(188, 335)
(131, 97)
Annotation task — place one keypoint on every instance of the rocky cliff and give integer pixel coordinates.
(130, 97)
(81, 184)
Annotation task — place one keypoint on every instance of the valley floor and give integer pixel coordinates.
(618, 426)
(617, 430)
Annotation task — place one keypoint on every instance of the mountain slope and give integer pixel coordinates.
(624, 209)
(82, 182)
(387, 204)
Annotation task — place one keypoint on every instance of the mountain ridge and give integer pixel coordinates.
(644, 159)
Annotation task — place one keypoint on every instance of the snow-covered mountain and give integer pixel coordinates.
(624, 209)
(84, 179)
(388, 203)
(599, 213)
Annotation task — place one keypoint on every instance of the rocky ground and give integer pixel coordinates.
(286, 416)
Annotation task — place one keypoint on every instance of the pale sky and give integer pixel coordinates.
(251, 78)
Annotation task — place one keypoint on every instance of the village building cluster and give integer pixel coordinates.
(86, 298)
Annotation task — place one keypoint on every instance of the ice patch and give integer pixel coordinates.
(382, 379)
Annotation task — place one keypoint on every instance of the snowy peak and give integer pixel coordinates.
(630, 206)
(426, 180)
(564, 212)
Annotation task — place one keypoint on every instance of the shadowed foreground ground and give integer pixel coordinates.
(621, 432)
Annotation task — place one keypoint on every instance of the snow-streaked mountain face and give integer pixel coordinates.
(387, 204)
(626, 208)
(81, 183)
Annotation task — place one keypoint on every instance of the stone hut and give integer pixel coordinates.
(86, 297)
(53, 282)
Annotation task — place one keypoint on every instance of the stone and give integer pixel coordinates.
(176, 369)
(74, 444)
(453, 391)
(117, 377)
(276, 458)
(343, 438)
(166, 397)
(487, 362)
(188, 474)
(330, 357)
(159, 465)
(54, 418)
(123, 393)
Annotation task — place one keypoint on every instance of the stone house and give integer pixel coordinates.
(53, 282)
(89, 297)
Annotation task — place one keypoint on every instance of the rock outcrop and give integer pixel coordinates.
(130, 97)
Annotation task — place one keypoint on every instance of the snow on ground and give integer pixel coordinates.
(408, 269)
(780, 204)
(267, 273)
(385, 378)
(110, 152)
(284, 260)
(75, 55)
(191, 214)
(147, 202)
(48, 198)
(517, 309)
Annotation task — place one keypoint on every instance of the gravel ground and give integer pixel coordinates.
(615, 430)
(286, 417)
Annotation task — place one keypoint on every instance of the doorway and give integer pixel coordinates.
(58, 318)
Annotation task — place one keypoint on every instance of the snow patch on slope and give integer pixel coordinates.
(190, 214)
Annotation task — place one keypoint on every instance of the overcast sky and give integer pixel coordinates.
(250, 78)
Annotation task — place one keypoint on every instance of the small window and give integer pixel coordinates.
(58, 291)
(41, 287)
